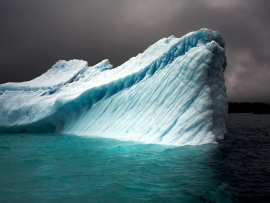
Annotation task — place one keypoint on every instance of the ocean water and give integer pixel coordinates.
(70, 168)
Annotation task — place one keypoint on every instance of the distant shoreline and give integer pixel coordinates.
(247, 107)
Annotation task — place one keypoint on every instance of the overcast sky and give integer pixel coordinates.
(35, 34)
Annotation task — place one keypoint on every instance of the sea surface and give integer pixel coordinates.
(69, 168)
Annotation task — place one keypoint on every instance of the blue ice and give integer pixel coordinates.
(173, 93)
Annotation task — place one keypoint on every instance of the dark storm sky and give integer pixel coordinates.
(34, 34)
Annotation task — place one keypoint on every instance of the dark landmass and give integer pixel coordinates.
(246, 107)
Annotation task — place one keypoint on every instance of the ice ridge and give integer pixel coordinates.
(173, 93)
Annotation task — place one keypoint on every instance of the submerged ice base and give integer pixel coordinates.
(173, 93)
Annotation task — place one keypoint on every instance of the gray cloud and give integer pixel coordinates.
(36, 34)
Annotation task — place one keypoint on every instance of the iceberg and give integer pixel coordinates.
(173, 93)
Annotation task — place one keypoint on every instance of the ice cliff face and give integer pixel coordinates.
(173, 93)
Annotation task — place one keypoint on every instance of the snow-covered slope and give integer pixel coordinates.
(173, 93)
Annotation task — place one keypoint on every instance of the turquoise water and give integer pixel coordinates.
(57, 168)
(70, 168)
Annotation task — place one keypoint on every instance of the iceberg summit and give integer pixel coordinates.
(173, 93)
